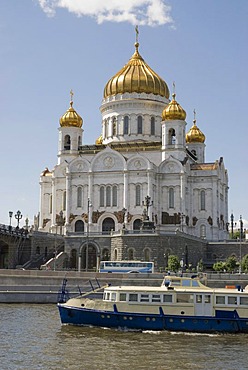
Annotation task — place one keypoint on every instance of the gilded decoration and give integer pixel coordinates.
(96, 215)
(210, 220)
(173, 111)
(85, 217)
(72, 217)
(171, 219)
(136, 77)
(71, 118)
(195, 135)
(45, 221)
(194, 220)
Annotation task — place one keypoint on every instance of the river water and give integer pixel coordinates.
(31, 337)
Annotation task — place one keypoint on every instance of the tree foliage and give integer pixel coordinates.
(173, 263)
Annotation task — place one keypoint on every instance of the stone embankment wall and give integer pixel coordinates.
(19, 286)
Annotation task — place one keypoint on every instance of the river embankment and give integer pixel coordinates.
(42, 286)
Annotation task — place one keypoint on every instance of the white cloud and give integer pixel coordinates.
(141, 12)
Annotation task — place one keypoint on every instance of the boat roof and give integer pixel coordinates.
(175, 283)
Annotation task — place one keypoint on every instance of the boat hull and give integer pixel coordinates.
(230, 323)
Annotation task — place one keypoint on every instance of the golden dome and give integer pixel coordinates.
(71, 118)
(173, 111)
(195, 135)
(99, 140)
(136, 76)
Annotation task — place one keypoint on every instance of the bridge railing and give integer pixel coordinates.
(15, 231)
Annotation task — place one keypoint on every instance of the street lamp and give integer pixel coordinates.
(240, 243)
(232, 224)
(10, 217)
(124, 210)
(148, 203)
(87, 234)
(18, 216)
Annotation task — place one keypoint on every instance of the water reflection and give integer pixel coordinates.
(33, 338)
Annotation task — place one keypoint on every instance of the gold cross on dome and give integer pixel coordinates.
(71, 93)
(137, 33)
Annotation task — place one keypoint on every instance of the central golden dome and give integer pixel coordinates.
(136, 77)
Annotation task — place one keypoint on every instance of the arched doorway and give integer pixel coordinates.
(105, 254)
(79, 226)
(4, 255)
(92, 256)
(108, 225)
(73, 259)
(137, 224)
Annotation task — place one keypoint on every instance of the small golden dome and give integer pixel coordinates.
(195, 135)
(71, 118)
(136, 77)
(99, 140)
(173, 111)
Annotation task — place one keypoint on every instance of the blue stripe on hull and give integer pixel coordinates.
(110, 319)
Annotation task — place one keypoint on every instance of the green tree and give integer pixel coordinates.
(244, 263)
(200, 266)
(219, 266)
(173, 263)
(231, 264)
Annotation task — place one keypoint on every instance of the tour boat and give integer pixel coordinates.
(179, 304)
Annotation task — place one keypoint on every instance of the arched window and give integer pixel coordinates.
(114, 127)
(126, 125)
(108, 225)
(67, 142)
(203, 231)
(172, 136)
(108, 196)
(102, 196)
(51, 204)
(79, 226)
(64, 200)
(105, 254)
(79, 141)
(130, 254)
(171, 198)
(137, 195)
(203, 200)
(152, 126)
(137, 224)
(114, 196)
(115, 255)
(139, 128)
(79, 197)
(147, 254)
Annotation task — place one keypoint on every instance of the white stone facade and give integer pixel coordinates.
(104, 186)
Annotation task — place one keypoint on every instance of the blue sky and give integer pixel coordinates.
(50, 47)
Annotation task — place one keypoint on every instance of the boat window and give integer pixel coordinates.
(184, 298)
(232, 300)
(167, 298)
(207, 298)
(175, 282)
(144, 298)
(123, 297)
(195, 283)
(186, 282)
(133, 297)
(198, 298)
(220, 299)
(108, 296)
(156, 298)
(244, 300)
(113, 297)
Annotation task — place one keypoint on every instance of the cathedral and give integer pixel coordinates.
(144, 170)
